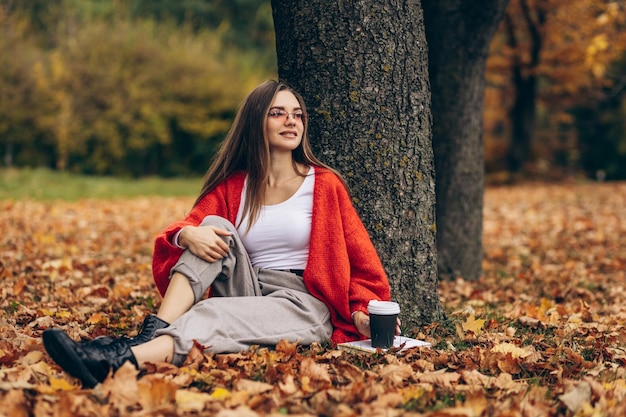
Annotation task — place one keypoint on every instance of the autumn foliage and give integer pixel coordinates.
(555, 89)
(92, 87)
(149, 87)
(542, 333)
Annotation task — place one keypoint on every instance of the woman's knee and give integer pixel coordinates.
(218, 221)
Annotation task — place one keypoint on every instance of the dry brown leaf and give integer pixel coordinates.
(515, 351)
(191, 401)
(241, 411)
(507, 363)
(395, 375)
(156, 392)
(577, 397)
(14, 404)
(315, 372)
(121, 387)
(286, 347)
(440, 378)
(288, 386)
(252, 387)
(474, 406)
(551, 293)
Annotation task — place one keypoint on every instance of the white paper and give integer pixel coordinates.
(366, 345)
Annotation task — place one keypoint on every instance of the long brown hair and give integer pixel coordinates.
(246, 148)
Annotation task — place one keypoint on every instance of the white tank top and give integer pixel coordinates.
(279, 239)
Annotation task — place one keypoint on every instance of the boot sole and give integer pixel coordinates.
(62, 349)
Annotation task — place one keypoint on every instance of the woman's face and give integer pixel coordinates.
(284, 124)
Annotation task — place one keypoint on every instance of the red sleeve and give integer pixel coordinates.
(344, 270)
(368, 280)
(222, 201)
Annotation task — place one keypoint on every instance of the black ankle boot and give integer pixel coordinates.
(91, 363)
(146, 333)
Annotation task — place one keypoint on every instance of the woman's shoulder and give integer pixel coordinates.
(236, 179)
(329, 180)
(233, 183)
(237, 176)
(326, 175)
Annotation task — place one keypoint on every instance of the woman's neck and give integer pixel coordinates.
(282, 171)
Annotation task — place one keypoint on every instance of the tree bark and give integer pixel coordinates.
(362, 69)
(459, 33)
(524, 77)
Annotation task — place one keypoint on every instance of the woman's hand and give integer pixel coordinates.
(205, 241)
(362, 323)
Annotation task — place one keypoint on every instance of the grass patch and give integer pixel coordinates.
(44, 184)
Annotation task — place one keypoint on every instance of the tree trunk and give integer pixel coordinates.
(524, 69)
(459, 33)
(522, 115)
(362, 68)
(8, 153)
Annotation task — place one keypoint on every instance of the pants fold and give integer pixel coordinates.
(247, 306)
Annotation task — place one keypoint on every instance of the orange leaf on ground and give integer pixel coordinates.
(551, 293)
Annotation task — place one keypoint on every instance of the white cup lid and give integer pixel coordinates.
(383, 307)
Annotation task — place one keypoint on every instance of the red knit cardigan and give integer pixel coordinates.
(343, 269)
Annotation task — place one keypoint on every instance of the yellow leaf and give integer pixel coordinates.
(414, 392)
(220, 394)
(63, 314)
(545, 305)
(60, 384)
(618, 386)
(473, 325)
(598, 69)
(98, 318)
(459, 331)
(601, 42)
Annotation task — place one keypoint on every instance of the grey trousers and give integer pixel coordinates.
(248, 306)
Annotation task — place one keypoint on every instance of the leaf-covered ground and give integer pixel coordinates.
(541, 334)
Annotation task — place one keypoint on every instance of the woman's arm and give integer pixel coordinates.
(166, 252)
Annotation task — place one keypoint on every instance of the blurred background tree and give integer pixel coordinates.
(556, 88)
(148, 87)
(112, 87)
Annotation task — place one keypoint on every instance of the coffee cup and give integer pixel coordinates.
(383, 318)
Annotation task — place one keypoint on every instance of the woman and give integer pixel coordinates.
(272, 238)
